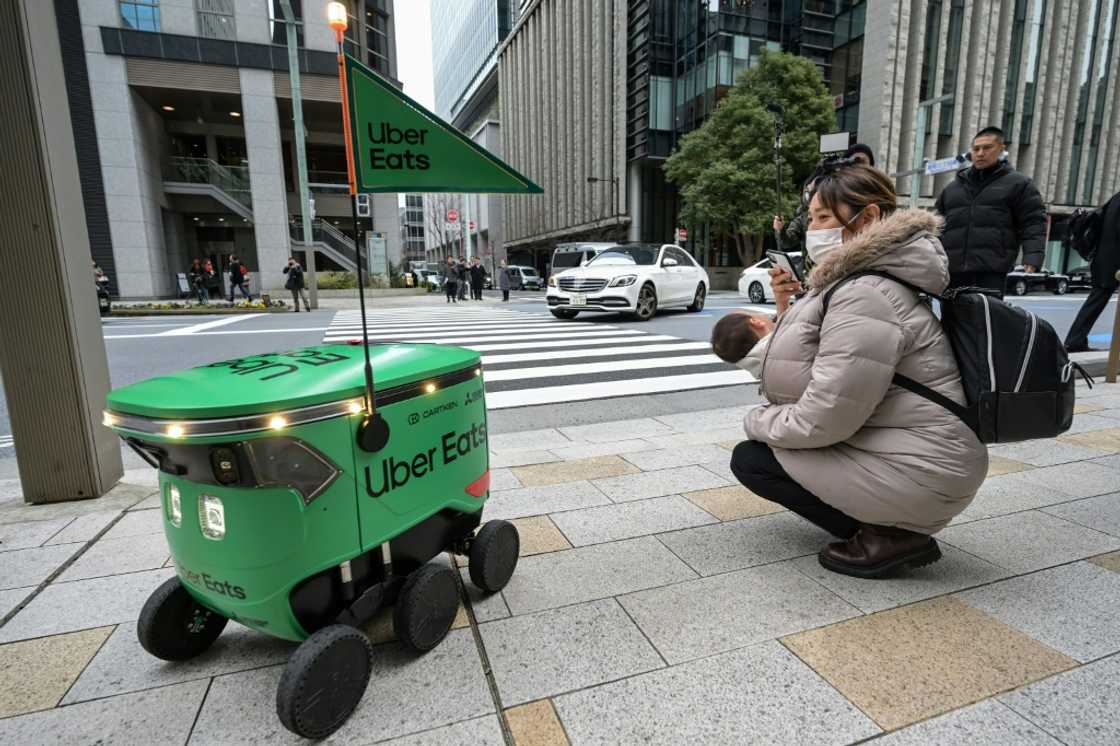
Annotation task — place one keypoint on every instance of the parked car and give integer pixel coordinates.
(754, 281)
(1020, 282)
(524, 278)
(636, 279)
(1080, 278)
(569, 255)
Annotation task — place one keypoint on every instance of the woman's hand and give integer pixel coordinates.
(785, 287)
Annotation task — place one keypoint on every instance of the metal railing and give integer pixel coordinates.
(327, 181)
(233, 180)
(325, 233)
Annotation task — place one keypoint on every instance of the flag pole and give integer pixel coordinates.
(373, 433)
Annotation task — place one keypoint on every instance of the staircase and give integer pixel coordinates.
(327, 240)
(227, 185)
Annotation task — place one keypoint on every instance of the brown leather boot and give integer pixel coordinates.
(876, 550)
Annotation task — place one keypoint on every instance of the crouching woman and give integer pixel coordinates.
(875, 465)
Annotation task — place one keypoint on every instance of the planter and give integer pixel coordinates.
(121, 311)
(372, 292)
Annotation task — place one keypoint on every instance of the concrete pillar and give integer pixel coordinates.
(266, 177)
(53, 360)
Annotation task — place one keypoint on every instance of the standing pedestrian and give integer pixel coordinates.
(463, 275)
(196, 277)
(478, 276)
(451, 280)
(237, 275)
(1105, 265)
(295, 284)
(503, 281)
(991, 210)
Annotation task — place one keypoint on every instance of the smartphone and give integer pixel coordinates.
(782, 260)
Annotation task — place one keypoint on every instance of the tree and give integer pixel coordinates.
(725, 170)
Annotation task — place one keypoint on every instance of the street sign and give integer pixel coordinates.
(399, 146)
(940, 166)
(453, 216)
(378, 261)
(835, 142)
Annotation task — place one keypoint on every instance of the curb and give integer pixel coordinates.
(216, 311)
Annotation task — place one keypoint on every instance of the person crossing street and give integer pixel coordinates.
(478, 277)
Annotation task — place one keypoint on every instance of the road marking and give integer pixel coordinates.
(194, 328)
(223, 332)
(529, 357)
(7, 441)
(583, 369)
(609, 389)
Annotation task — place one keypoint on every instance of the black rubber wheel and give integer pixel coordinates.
(698, 300)
(647, 303)
(563, 313)
(324, 681)
(1020, 287)
(756, 292)
(175, 627)
(426, 607)
(494, 555)
(1062, 288)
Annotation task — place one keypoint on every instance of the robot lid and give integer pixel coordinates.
(309, 383)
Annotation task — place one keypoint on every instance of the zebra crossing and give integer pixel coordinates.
(532, 359)
(7, 441)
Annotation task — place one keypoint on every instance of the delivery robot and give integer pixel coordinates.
(292, 508)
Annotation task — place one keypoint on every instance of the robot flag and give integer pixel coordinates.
(399, 146)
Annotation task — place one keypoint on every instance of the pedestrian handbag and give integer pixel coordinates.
(1018, 379)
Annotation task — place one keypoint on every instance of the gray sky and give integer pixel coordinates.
(414, 49)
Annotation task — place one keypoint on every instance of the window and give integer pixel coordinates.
(1033, 58)
(216, 19)
(142, 15)
(660, 109)
(276, 21)
(1087, 59)
(929, 54)
(377, 36)
(1010, 94)
(1104, 65)
(952, 60)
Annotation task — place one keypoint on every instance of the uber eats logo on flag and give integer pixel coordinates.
(399, 146)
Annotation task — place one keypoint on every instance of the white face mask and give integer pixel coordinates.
(823, 241)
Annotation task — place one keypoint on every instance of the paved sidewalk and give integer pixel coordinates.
(657, 601)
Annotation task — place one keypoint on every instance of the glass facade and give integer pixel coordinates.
(1104, 69)
(276, 22)
(1084, 80)
(952, 65)
(216, 19)
(465, 34)
(142, 15)
(1015, 61)
(1034, 35)
(847, 61)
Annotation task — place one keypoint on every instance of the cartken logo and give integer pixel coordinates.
(414, 419)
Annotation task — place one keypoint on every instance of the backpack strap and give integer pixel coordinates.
(968, 414)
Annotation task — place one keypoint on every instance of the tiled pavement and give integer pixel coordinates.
(656, 601)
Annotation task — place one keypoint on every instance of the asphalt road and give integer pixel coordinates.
(139, 348)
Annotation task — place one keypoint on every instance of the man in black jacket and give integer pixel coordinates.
(1105, 265)
(991, 210)
(478, 277)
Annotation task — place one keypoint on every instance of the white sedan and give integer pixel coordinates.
(754, 281)
(637, 279)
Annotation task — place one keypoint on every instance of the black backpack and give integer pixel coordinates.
(1017, 377)
(1083, 232)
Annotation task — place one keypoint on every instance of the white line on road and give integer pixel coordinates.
(608, 389)
(225, 331)
(583, 369)
(528, 357)
(457, 332)
(465, 341)
(208, 325)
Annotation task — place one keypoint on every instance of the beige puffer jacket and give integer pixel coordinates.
(837, 425)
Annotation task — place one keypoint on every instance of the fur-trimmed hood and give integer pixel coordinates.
(904, 244)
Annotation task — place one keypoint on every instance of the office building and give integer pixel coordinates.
(465, 39)
(412, 229)
(594, 96)
(183, 116)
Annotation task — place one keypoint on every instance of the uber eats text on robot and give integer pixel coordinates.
(297, 498)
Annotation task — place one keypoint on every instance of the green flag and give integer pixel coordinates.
(399, 146)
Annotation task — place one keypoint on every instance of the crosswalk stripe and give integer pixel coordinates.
(464, 339)
(606, 390)
(530, 358)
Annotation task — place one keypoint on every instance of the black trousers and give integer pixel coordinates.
(1091, 309)
(476, 291)
(452, 289)
(992, 280)
(756, 467)
(505, 294)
